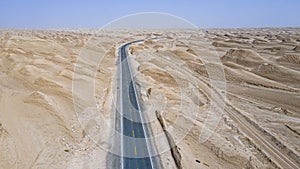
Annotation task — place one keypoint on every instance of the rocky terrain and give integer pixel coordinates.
(216, 98)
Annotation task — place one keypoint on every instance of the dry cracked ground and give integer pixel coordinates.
(257, 72)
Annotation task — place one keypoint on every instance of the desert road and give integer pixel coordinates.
(134, 149)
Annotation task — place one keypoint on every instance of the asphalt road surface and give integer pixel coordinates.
(134, 150)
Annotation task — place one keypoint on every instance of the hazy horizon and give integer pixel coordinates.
(95, 14)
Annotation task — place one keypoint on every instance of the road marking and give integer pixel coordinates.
(131, 117)
(133, 133)
(121, 111)
(134, 149)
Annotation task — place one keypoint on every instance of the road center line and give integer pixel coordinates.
(134, 149)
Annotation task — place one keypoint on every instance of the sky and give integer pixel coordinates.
(97, 13)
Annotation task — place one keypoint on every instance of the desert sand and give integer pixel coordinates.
(252, 109)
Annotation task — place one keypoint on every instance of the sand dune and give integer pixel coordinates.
(290, 58)
(243, 57)
(39, 126)
(252, 74)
